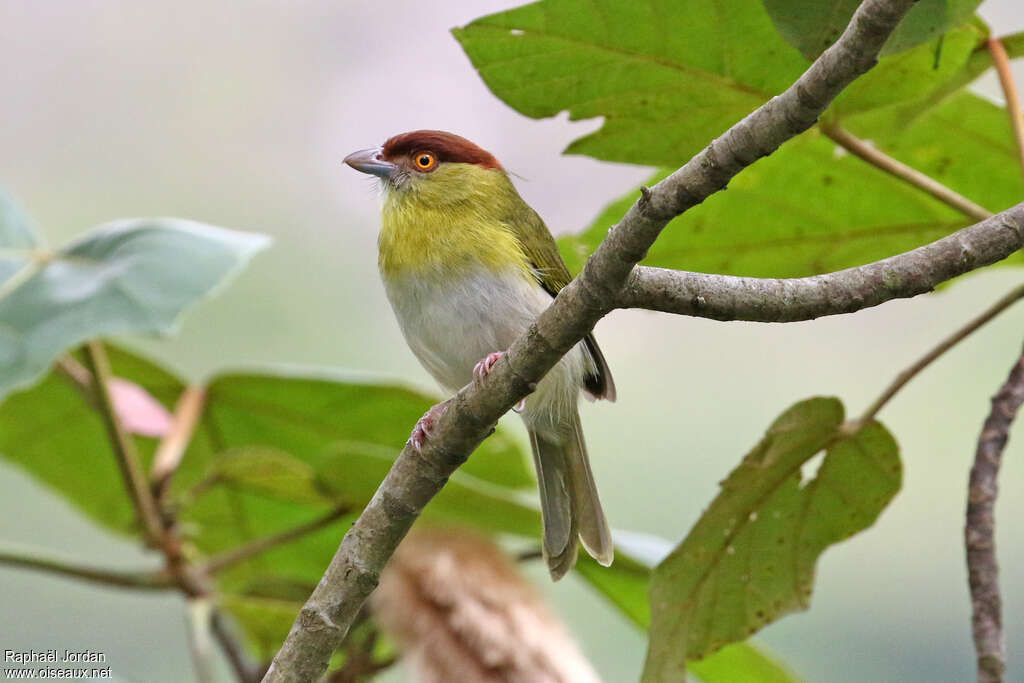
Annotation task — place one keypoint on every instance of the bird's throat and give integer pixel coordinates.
(444, 243)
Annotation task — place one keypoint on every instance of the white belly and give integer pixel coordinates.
(451, 327)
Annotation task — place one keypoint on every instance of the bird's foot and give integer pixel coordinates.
(481, 369)
(425, 425)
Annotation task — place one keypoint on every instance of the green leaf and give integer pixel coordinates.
(806, 209)
(914, 75)
(335, 438)
(742, 662)
(270, 472)
(129, 276)
(626, 585)
(751, 556)
(812, 26)
(965, 143)
(667, 77)
(52, 432)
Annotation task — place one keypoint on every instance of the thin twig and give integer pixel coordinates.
(876, 157)
(529, 555)
(172, 447)
(1002, 63)
(33, 559)
(262, 545)
(979, 531)
(246, 670)
(946, 344)
(124, 447)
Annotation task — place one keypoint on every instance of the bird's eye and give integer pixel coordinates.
(425, 161)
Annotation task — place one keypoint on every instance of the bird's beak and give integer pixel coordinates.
(370, 161)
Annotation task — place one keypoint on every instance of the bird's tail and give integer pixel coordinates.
(569, 504)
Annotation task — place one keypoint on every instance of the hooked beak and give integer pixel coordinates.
(371, 161)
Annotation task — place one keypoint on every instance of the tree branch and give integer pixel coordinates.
(979, 533)
(32, 559)
(726, 297)
(262, 545)
(416, 477)
(879, 159)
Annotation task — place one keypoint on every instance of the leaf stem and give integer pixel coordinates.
(242, 553)
(124, 448)
(1002, 63)
(945, 345)
(879, 159)
(979, 530)
(172, 447)
(32, 559)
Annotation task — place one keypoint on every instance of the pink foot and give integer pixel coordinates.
(481, 369)
(425, 425)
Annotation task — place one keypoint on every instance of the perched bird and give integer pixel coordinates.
(468, 266)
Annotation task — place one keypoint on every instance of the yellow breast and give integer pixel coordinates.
(449, 227)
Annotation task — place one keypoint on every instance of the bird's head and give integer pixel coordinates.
(431, 165)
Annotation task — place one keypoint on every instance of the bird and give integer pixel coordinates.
(467, 266)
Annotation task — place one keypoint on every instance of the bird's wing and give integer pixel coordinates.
(552, 274)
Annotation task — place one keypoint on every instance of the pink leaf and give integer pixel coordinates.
(139, 412)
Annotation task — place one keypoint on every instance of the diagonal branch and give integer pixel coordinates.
(416, 477)
(33, 559)
(727, 297)
(262, 545)
(879, 159)
(979, 533)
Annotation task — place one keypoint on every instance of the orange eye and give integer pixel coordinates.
(425, 161)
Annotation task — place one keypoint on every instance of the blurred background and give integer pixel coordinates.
(239, 113)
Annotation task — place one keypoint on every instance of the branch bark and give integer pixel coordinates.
(726, 297)
(979, 533)
(417, 476)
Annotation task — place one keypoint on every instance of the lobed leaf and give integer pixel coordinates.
(812, 26)
(669, 77)
(751, 556)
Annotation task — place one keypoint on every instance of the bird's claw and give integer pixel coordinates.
(425, 425)
(481, 369)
